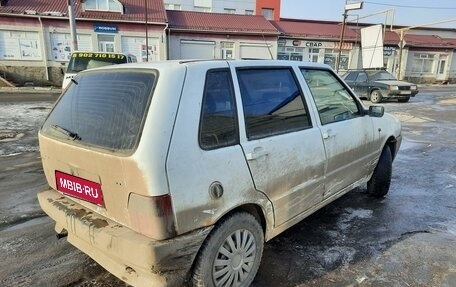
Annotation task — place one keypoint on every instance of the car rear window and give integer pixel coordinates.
(103, 109)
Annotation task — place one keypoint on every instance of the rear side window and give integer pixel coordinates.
(362, 77)
(350, 76)
(272, 101)
(218, 116)
(105, 109)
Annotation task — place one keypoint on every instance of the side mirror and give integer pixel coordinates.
(376, 111)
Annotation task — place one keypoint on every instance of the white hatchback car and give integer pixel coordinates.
(180, 171)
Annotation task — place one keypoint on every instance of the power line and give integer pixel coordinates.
(414, 7)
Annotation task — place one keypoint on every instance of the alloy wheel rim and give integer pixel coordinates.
(234, 259)
(374, 96)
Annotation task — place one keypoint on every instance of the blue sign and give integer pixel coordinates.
(105, 28)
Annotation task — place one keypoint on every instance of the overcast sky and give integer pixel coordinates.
(407, 12)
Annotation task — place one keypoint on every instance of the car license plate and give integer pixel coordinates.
(406, 92)
(80, 188)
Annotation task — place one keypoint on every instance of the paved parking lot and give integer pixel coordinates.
(405, 239)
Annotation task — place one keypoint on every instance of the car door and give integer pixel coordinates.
(361, 85)
(346, 132)
(283, 149)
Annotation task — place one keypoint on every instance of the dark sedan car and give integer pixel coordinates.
(376, 85)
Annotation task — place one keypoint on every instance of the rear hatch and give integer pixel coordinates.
(89, 139)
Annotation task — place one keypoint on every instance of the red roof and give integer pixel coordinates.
(218, 22)
(426, 41)
(413, 40)
(450, 41)
(134, 10)
(313, 29)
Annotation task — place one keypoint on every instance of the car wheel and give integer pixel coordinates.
(403, 100)
(376, 96)
(378, 185)
(231, 254)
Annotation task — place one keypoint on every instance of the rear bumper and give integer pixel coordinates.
(130, 256)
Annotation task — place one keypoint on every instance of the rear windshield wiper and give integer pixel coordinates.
(70, 134)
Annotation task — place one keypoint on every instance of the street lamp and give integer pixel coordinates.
(348, 7)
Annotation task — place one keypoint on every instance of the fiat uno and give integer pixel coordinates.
(180, 171)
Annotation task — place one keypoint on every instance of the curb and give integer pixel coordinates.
(30, 90)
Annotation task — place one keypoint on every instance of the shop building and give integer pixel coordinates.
(317, 41)
(196, 35)
(35, 40)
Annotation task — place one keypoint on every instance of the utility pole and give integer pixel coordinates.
(341, 40)
(74, 37)
(147, 33)
(347, 7)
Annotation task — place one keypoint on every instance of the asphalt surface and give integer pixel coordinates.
(406, 239)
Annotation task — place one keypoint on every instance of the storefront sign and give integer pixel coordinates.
(315, 44)
(105, 28)
(388, 51)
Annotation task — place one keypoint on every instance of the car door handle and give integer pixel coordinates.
(256, 153)
(327, 135)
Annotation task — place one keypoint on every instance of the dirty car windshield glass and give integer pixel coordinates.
(103, 109)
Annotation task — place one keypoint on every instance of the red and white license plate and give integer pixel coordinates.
(80, 188)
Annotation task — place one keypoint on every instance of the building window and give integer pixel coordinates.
(331, 59)
(202, 3)
(106, 43)
(20, 45)
(172, 6)
(313, 55)
(104, 5)
(290, 53)
(268, 13)
(229, 11)
(203, 9)
(423, 63)
(248, 12)
(227, 50)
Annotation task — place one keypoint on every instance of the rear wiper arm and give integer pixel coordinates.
(72, 135)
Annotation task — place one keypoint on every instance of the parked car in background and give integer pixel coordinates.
(376, 85)
(181, 170)
(83, 60)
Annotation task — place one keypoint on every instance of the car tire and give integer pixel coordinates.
(379, 184)
(236, 244)
(376, 96)
(403, 100)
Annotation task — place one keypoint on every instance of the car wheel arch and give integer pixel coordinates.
(254, 209)
(391, 143)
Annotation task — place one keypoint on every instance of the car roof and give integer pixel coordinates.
(170, 64)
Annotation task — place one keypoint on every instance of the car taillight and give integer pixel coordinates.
(152, 215)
